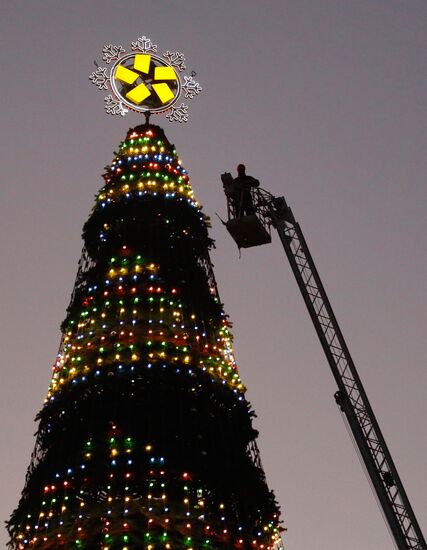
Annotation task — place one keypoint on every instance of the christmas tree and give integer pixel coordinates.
(145, 439)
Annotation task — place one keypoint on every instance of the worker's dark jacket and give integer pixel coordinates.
(245, 183)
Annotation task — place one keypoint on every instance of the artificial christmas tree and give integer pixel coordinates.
(145, 439)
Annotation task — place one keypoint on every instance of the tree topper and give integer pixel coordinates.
(145, 82)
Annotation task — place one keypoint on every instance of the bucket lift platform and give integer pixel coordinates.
(248, 231)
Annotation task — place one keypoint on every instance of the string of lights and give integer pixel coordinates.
(145, 439)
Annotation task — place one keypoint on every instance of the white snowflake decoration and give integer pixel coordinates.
(120, 100)
(178, 114)
(111, 53)
(191, 87)
(176, 59)
(144, 45)
(100, 78)
(114, 107)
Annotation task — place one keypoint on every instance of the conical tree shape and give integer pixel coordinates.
(145, 439)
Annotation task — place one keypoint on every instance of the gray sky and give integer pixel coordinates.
(326, 103)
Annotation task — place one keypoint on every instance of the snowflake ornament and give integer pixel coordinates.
(144, 45)
(114, 107)
(111, 53)
(144, 81)
(100, 78)
(178, 114)
(191, 87)
(176, 59)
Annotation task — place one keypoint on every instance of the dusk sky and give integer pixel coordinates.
(325, 101)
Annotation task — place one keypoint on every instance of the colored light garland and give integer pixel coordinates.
(153, 325)
(145, 438)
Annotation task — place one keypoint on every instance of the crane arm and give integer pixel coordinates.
(351, 396)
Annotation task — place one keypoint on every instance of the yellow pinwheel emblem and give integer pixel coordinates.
(145, 82)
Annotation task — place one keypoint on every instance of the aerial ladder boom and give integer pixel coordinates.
(351, 397)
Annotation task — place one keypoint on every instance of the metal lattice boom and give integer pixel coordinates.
(351, 396)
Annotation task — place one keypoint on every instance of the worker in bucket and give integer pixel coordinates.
(242, 186)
